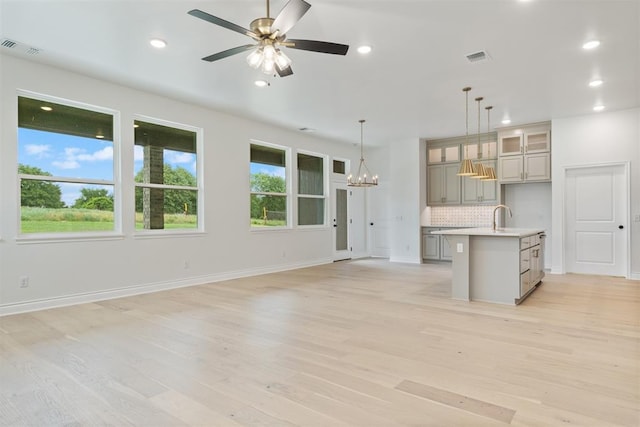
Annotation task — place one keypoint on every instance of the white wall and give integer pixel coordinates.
(594, 139)
(65, 272)
(530, 204)
(404, 201)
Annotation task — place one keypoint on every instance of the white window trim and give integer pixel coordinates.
(288, 183)
(200, 229)
(116, 182)
(325, 186)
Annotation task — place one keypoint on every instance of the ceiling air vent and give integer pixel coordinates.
(480, 56)
(8, 43)
(19, 47)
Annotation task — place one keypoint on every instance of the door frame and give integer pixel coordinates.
(347, 254)
(627, 182)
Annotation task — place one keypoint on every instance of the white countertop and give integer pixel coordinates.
(500, 232)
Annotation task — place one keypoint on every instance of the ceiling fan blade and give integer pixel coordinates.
(289, 16)
(228, 52)
(284, 72)
(223, 23)
(318, 46)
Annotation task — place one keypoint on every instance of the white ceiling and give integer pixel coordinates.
(408, 87)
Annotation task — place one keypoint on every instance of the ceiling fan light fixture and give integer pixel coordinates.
(282, 60)
(255, 58)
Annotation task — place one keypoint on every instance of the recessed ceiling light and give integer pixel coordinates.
(591, 44)
(261, 83)
(506, 121)
(158, 43)
(595, 83)
(305, 129)
(46, 108)
(598, 108)
(364, 49)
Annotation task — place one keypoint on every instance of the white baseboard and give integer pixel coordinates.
(406, 260)
(635, 276)
(62, 301)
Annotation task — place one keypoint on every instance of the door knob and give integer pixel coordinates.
(621, 227)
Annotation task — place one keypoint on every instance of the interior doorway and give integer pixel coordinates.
(341, 221)
(596, 220)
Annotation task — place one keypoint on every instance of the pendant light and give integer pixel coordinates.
(480, 171)
(466, 167)
(490, 171)
(363, 177)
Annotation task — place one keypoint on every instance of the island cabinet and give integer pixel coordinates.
(502, 266)
(524, 153)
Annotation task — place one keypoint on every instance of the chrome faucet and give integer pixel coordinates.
(494, 214)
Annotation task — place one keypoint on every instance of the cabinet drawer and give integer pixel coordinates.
(525, 260)
(525, 283)
(525, 242)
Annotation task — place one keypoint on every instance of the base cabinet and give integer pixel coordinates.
(434, 246)
(531, 262)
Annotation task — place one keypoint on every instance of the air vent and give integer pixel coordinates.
(19, 47)
(8, 43)
(480, 56)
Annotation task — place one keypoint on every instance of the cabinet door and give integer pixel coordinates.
(445, 249)
(430, 246)
(489, 150)
(510, 169)
(471, 151)
(510, 145)
(451, 190)
(537, 167)
(535, 265)
(488, 190)
(452, 153)
(470, 191)
(435, 184)
(537, 142)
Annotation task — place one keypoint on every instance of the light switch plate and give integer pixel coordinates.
(459, 248)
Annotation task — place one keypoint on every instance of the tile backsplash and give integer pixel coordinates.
(471, 216)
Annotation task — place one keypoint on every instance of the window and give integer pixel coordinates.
(339, 167)
(166, 176)
(311, 193)
(65, 166)
(269, 188)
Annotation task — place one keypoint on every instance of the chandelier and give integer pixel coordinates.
(266, 56)
(466, 167)
(363, 177)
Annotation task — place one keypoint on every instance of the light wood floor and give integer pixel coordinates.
(360, 343)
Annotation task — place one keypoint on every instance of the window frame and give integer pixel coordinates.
(325, 192)
(115, 182)
(288, 184)
(200, 229)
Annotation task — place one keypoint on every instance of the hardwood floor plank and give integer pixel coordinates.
(455, 400)
(355, 343)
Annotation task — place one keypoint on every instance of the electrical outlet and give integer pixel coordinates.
(24, 281)
(459, 248)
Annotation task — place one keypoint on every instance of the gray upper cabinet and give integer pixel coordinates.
(524, 153)
(443, 184)
(476, 191)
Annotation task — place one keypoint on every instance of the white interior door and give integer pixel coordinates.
(596, 220)
(341, 222)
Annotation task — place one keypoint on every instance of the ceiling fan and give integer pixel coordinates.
(271, 34)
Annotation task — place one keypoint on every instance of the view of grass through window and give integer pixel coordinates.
(66, 171)
(268, 186)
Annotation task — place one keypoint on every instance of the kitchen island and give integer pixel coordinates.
(501, 266)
